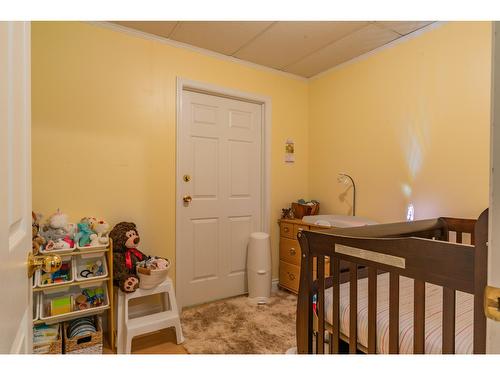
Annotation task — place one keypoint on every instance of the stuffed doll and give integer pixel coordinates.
(125, 256)
(57, 227)
(84, 234)
(101, 227)
(37, 240)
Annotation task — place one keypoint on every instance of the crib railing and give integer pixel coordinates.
(423, 254)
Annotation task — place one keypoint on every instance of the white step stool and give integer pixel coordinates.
(127, 328)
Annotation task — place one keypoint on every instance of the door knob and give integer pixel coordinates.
(187, 199)
(48, 263)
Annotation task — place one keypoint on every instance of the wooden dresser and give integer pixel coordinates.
(290, 255)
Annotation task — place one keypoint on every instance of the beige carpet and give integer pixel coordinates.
(235, 326)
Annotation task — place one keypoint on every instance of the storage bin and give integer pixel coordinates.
(85, 344)
(69, 309)
(66, 262)
(148, 279)
(57, 251)
(96, 247)
(36, 307)
(81, 263)
(54, 347)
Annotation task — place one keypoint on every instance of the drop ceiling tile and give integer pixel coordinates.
(404, 27)
(286, 42)
(353, 45)
(160, 28)
(223, 37)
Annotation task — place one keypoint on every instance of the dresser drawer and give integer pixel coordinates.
(289, 276)
(290, 251)
(297, 228)
(286, 230)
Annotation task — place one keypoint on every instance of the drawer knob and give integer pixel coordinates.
(286, 229)
(291, 276)
(292, 251)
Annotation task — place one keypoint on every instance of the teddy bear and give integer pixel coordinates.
(125, 256)
(57, 227)
(37, 240)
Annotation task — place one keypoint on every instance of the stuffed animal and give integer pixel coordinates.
(84, 233)
(57, 227)
(37, 240)
(101, 227)
(125, 256)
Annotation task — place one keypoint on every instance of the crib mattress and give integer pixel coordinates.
(433, 316)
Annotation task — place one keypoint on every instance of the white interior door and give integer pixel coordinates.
(220, 149)
(15, 187)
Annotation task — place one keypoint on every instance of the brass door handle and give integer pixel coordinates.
(187, 199)
(292, 251)
(48, 263)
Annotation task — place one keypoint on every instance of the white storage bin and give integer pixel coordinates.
(80, 263)
(73, 291)
(67, 260)
(96, 247)
(55, 251)
(36, 307)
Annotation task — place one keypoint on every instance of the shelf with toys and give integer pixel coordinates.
(84, 284)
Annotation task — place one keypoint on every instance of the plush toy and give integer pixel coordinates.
(57, 227)
(101, 227)
(90, 220)
(125, 256)
(84, 233)
(37, 240)
(94, 240)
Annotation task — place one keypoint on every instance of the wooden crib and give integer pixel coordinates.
(419, 250)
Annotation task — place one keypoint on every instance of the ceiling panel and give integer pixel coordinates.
(404, 27)
(355, 44)
(160, 28)
(305, 48)
(286, 42)
(223, 37)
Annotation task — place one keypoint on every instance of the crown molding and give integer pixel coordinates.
(206, 52)
(203, 51)
(391, 44)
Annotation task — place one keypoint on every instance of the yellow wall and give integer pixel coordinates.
(104, 126)
(416, 114)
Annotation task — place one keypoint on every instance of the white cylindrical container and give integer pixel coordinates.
(259, 267)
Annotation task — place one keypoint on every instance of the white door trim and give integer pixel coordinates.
(215, 90)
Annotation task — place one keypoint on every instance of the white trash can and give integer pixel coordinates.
(259, 267)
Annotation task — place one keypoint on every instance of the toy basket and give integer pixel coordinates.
(151, 278)
(301, 210)
(54, 347)
(85, 344)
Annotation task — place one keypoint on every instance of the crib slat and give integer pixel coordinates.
(394, 313)
(320, 306)
(419, 317)
(353, 308)
(336, 306)
(448, 321)
(330, 334)
(372, 310)
(459, 237)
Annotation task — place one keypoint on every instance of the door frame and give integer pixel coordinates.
(224, 92)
